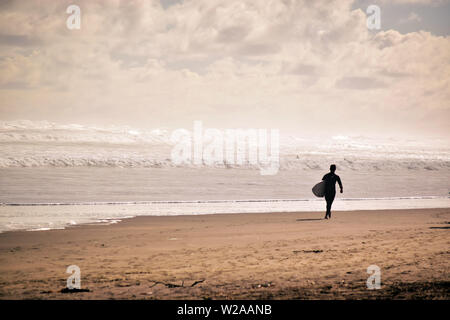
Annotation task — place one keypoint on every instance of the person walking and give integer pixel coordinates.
(330, 188)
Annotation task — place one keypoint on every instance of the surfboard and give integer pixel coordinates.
(319, 189)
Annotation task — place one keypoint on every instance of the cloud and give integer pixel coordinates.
(359, 83)
(412, 17)
(18, 40)
(233, 63)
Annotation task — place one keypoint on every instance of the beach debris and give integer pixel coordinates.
(174, 285)
(123, 285)
(307, 251)
(263, 285)
(326, 289)
(197, 282)
(74, 290)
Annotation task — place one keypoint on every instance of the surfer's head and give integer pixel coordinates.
(333, 168)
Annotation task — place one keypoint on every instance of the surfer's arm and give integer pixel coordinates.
(340, 184)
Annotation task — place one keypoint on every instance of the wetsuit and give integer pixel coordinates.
(330, 189)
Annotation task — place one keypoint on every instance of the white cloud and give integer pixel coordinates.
(235, 63)
(412, 17)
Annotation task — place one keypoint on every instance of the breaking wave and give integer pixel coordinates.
(45, 144)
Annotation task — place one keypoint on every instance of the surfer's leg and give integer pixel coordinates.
(330, 201)
(329, 197)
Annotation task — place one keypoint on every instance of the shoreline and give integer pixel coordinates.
(295, 255)
(120, 220)
(51, 216)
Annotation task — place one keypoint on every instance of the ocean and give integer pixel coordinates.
(53, 175)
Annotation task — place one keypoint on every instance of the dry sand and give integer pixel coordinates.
(235, 256)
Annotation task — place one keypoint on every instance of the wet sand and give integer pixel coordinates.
(236, 256)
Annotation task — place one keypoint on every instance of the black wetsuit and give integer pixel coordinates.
(330, 189)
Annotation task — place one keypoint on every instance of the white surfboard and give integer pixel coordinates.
(319, 189)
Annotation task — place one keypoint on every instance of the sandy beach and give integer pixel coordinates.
(236, 256)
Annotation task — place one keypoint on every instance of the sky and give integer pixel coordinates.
(296, 65)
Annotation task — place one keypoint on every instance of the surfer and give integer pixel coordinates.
(330, 188)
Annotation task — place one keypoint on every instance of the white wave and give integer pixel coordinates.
(161, 160)
(43, 131)
(102, 203)
(46, 144)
